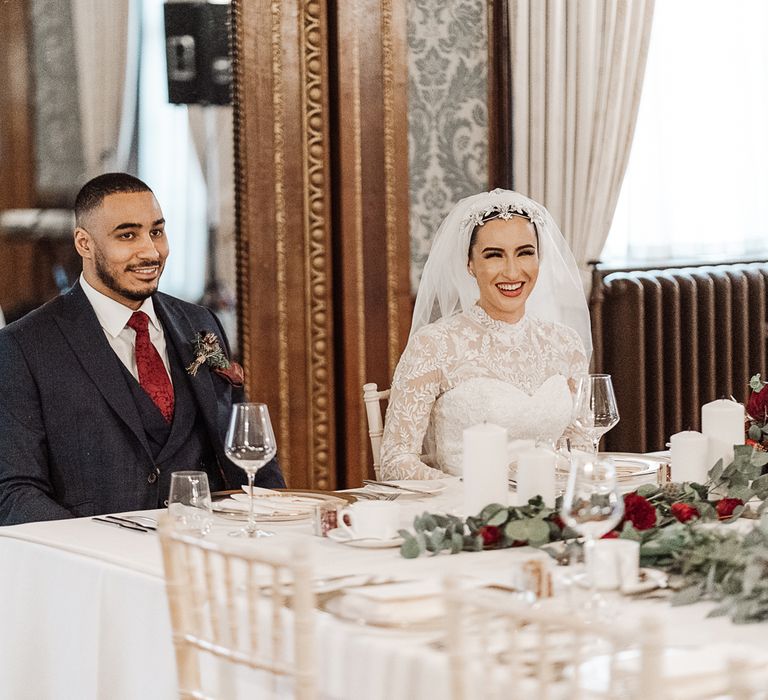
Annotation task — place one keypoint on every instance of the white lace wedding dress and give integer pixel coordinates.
(468, 369)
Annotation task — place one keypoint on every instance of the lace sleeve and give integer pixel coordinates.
(575, 358)
(415, 387)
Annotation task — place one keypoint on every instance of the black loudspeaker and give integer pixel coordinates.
(197, 53)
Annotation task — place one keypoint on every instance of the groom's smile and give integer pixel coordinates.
(124, 247)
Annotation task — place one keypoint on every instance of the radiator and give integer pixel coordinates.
(673, 340)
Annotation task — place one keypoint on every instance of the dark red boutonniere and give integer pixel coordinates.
(208, 352)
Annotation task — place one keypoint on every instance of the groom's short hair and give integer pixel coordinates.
(93, 192)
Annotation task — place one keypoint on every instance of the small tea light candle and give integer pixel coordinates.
(690, 456)
(484, 465)
(722, 421)
(536, 475)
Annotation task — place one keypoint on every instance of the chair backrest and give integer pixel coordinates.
(373, 398)
(500, 647)
(230, 617)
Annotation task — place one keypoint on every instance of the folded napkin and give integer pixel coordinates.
(399, 603)
(286, 503)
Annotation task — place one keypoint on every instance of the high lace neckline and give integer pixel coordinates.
(479, 314)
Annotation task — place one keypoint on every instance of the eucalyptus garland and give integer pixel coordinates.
(670, 523)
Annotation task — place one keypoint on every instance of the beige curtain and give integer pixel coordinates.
(211, 127)
(107, 55)
(577, 72)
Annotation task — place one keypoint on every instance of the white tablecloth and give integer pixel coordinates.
(83, 614)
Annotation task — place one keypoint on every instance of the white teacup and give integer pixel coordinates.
(371, 519)
(616, 563)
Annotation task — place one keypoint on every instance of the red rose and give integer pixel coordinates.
(490, 534)
(612, 535)
(757, 406)
(557, 520)
(684, 512)
(726, 506)
(639, 511)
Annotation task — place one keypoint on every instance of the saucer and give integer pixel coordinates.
(343, 537)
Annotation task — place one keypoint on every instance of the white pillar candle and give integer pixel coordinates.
(722, 421)
(690, 456)
(536, 475)
(485, 467)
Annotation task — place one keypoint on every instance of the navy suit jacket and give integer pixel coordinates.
(71, 439)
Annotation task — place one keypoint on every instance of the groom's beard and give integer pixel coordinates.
(108, 276)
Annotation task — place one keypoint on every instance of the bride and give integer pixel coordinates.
(500, 333)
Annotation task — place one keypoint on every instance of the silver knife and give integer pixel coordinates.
(130, 522)
(132, 526)
(394, 486)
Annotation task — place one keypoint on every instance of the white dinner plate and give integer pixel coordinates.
(279, 506)
(426, 487)
(342, 536)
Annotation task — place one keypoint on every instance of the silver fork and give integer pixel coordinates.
(367, 496)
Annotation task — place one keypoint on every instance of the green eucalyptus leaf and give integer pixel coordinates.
(755, 432)
(516, 530)
(457, 543)
(429, 522)
(759, 458)
(717, 471)
(742, 492)
(741, 451)
(499, 518)
(490, 510)
(686, 596)
(538, 532)
(647, 490)
(410, 548)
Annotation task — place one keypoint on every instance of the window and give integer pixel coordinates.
(696, 186)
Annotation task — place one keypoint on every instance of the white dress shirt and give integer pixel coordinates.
(113, 316)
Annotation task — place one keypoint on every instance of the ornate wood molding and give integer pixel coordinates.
(320, 117)
(316, 206)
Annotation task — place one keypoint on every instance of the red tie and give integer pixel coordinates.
(152, 375)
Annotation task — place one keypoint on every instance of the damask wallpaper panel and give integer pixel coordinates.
(447, 113)
(59, 163)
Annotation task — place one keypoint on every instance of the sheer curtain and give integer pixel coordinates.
(577, 69)
(697, 179)
(168, 163)
(107, 54)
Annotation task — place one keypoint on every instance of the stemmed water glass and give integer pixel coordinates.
(250, 444)
(594, 408)
(592, 506)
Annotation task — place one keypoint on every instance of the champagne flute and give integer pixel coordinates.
(250, 444)
(592, 505)
(594, 409)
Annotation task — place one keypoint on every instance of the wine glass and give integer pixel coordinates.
(250, 444)
(592, 506)
(594, 408)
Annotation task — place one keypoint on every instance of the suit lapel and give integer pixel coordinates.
(179, 331)
(81, 328)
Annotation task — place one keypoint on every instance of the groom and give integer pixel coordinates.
(96, 407)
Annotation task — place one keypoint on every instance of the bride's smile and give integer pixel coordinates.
(504, 258)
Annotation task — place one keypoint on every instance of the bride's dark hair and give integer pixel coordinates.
(490, 217)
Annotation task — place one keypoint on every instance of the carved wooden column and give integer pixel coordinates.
(371, 214)
(321, 190)
(284, 254)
